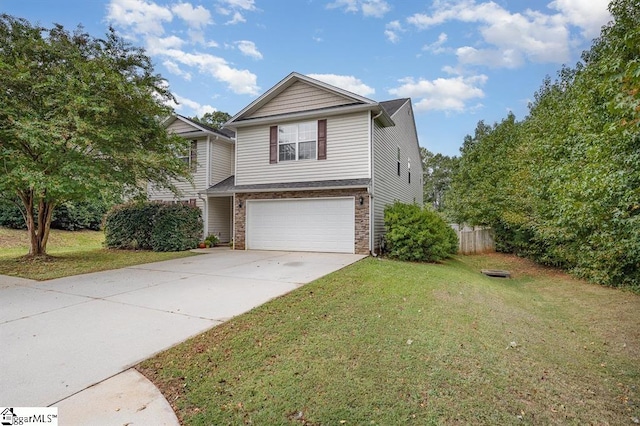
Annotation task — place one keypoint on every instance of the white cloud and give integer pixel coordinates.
(346, 82)
(494, 58)
(248, 5)
(195, 17)
(391, 31)
(159, 44)
(452, 70)
(374, 8)
(145, 18)
(442, 94)
(249, 48)
(140, 16)
(198, 108)
(239, 81)
(511, 39)
(176, 70)
(235, 9)
(436, 46)
(589, 15)
(236, 19)
(348, 5)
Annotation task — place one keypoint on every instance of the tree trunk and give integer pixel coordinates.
(38, 231)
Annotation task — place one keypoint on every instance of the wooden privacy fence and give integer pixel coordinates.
(474, 239)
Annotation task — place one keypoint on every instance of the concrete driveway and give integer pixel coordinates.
(61, 336)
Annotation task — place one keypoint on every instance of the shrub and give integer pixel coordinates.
(153, 226)
(69, 216)
(417, 234)
(129, 226)
(176, 227)
(80, 215)
(11, 216)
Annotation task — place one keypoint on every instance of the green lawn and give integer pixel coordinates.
(71, 253)
(385, 342)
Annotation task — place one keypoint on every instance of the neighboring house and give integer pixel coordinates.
(211, 159)
(315, 166)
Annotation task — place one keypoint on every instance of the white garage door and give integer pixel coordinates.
(318, 224)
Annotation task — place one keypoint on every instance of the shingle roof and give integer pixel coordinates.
(393, 105)
(227, 186)
(224, 132)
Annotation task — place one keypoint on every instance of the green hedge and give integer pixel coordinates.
(69, 216)
(417, 234)
(153, 226)
(10, 216)
(176, 227)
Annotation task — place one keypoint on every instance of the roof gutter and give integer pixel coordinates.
(279, 189)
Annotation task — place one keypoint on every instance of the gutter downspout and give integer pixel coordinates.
(205, 225)
(370, 189)
(208, 162)
(208, 183)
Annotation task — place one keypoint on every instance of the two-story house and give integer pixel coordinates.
(313, 168)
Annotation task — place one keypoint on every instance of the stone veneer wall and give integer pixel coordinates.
(361, 212)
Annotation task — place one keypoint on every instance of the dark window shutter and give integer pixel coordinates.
(322, 139)
(273, 144)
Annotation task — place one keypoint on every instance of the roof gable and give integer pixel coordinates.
(185, 126)
(297, 93)
(392, 106)
(301, 96)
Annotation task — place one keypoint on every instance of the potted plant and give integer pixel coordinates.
(211, 240)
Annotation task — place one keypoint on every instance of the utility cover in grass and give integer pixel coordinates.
(496, 273)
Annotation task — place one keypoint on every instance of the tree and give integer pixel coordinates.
(438, 173)
(562, 186)
(213, 119)
(79, 116)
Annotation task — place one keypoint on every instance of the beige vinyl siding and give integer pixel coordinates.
(179, 126)
(187, 189)
(387, 185)
(347, 154)
(220, 218)
(221, 161)
(301, 97)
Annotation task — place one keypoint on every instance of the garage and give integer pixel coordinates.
(310, 224)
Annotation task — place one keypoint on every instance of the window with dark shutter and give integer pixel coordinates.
(322, 139)
(298, 141)
(273, 144)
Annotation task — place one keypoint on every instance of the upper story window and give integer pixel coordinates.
(192, 156)
(398, 161)
(297, 141)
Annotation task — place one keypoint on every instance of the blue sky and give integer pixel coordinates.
(460, 61)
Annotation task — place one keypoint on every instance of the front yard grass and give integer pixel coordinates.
(72, 253)
(385, 342)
